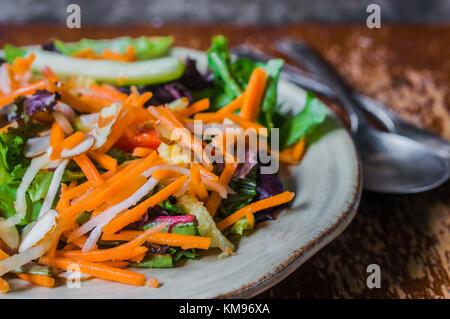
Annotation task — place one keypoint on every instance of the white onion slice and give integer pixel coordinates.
(20, 204)
(53, 188)
(63, 122)
(172, 167)
(9, 234)
(52, 164)
(182, 190)
(36, 146)
(44, 133)
(39, 230)
(66, 110)
(5, 81)
(80, 148)
(28, 255)
(178, 104)
(219, 188)
(111, 212)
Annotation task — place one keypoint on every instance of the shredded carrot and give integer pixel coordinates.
(171, 239)
(254, 94)
(299, 149)
(165, 173)
(73, 140)
(141, 151)
(152, 283)
(78, 103)
(142, 99)
(4, 286)
(108, 91)
(118, 129)
(40, 280)
(255, 207)
(107, 162)
(214, 200)
(198, 106)
(233, 105)
(5, 128)
(233, 117)
(98, 270)
(137, 258)
(196, 182)
(131, 188)
(89, 169)
(49, 75)
(135, 213)
(56, 138)
(29, 89)
(122, 252)
(116, 264)
(210, 176)
(61, 203)
(87, 53)
(22, 65)
(113, 186)
(128, 56)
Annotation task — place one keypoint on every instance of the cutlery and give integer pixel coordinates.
(391, 163)
(389, 119)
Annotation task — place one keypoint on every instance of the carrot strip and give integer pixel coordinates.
(122, 252)
(137, 212)
(26, 90)
(116, 263)
(152, 283)
(100, 195)
(196, 181)
(171, 239)
(255, 207)
(141, 151)
(78, 103)
(89, 169)
(118, 129)
(108, 92)
(98, 270)
(40, 280)
(214, 200)
(105, 161)
(56, 138)
(254, 93)
(233, 105)
(5, 128)
(198, 106)
(131, 188)
(299, 149)
(165, 173)
(143, 98)
(22, 65)
(4, 285)
(73, 140)
(208, 175)
(49, 75)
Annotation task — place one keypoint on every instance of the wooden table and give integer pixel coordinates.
(408, 68)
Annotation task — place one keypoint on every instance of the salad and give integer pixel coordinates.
(116, 155)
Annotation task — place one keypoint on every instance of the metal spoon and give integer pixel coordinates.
(391, 163)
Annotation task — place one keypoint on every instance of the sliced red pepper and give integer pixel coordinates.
(148, 139)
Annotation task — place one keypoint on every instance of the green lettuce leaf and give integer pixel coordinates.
(155, 261)
(12, 52)
(240, 226)
(295, 127)
(39, 187)
(146, 47)
(245, 191)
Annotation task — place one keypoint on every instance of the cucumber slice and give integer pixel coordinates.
(140, 72)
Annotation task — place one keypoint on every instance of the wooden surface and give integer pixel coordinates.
(408, 68)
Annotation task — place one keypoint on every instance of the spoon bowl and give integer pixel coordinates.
(397, 164)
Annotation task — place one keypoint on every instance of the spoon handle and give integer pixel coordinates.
(305, 55)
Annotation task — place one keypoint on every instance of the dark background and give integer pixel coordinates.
(224, 11)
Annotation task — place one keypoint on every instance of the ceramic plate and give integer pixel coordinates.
(327, 186)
